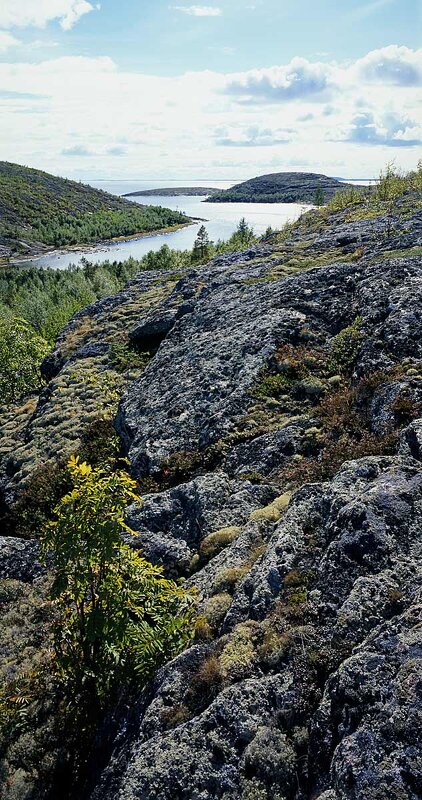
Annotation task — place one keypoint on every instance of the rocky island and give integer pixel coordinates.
(268, 404)
(283, 187)
(176, 191)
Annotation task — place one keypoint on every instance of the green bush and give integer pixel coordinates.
(273, 386)
(21, 354)
(345, 347)
(118, 615)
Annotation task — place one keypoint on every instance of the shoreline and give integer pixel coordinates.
(96, 247)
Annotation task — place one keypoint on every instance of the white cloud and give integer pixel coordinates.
(298, 79)
(37, 13)
(184, 125)
(393, 65)
(250, 136)
(199, 11)
(389, 129)
(7, 40)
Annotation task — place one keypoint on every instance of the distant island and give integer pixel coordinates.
(39, 211)
(283, 187)
(187, 191)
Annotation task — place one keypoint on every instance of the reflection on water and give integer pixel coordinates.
(222, 220)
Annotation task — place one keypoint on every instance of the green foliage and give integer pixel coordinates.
(244, 233)
(123, 357)
(47, 298)
(348, 196)
(319, 196)
(21, 354)
(49, 482)
(202, 246)
(273, 386)
(391, 185)
(118, 615)
(345, 347)
(41, 207)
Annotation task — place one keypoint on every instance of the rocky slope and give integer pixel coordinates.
(282, 187)
(276, 432)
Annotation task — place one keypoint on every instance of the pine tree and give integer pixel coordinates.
(319, 197)
(202, 246)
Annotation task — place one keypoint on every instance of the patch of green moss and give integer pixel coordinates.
(217, 541)
(274, 511)
(217, 607)
(238, 655)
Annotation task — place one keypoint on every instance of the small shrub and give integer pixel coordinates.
(273, 386)
(203, 630)
(118, 614)
(123, 357)
(99, 442)
(345, 347)
(48, 483)
(274, 647)
(21, 354)
(176, 715)
(405, 410)
(348, 196)
(204, 685)
(180, 466)
(294, 578)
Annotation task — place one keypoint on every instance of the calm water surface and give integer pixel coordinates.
(222, 220)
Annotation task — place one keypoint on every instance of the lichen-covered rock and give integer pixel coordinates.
(371, 713)
(314, 602)
(20, 559)
(171, 525)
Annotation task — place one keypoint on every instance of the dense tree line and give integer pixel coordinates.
(36, 303)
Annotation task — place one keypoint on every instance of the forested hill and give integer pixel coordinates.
(283, 187)
(39, 210)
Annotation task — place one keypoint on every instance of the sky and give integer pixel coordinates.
(228, 89)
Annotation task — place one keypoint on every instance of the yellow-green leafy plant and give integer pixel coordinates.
(118, 615)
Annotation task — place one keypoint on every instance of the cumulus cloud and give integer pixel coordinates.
(37, 13)
(7, 40)
(298, 79)
(393, 65)
(252, 136)
(199, 11)
(390, 130)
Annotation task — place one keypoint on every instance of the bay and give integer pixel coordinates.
(222, 220)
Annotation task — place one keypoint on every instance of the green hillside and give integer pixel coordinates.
(39, 210)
